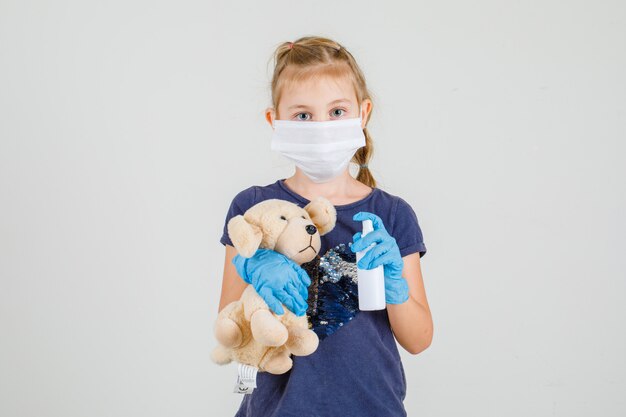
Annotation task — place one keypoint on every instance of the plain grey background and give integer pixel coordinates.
(127, 127)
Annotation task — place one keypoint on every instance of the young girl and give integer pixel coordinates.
(319, 98)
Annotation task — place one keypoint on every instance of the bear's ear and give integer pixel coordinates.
(322, 213)
(246, 237)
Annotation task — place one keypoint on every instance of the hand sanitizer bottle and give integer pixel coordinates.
(371, 282)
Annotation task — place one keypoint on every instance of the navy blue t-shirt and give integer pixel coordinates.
(356, 370)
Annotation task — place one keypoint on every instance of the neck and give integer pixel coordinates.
(339, 186)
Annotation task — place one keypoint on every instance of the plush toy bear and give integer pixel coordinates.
(249, 332)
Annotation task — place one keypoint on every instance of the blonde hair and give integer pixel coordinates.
(314, 56)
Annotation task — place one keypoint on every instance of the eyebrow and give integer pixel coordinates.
(298, 106)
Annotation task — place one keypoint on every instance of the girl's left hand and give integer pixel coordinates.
(387, 253)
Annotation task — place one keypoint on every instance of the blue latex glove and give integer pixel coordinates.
(387, 253)
(277, 279)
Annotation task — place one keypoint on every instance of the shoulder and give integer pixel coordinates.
(257, 193)
(404, 225)
(239, 204)
(404, 209)
(396, 205)
(253, 194)
(242, 200)
(246, 195)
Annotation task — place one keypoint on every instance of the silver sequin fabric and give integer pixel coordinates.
(334, 301)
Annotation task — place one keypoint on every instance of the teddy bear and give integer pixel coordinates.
(247, 330)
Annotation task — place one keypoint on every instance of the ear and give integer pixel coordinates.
(246, 237)
(322, 213)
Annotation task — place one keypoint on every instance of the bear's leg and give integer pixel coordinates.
(228, 333)
(221, 355)
(267, 329)
(301, 341)
(278, 363)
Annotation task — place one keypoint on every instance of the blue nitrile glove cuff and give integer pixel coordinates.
(396, 290)
(240, 265)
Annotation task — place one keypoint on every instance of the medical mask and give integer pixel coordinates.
(322, 150)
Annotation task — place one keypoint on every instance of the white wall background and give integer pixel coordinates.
(126, 128)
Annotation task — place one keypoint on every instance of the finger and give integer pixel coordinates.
(364, 242)
(300, 306)
(304, 277)
(355, 238)
(304, 293)
(294, 302)
(302, 289)
(392, 261)
(293, 291)
(271, 301)
(285, 298)
(369, 260)
(376, 221)
(386, 259)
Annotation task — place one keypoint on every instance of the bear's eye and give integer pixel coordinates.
(283, 217)
(304, 217)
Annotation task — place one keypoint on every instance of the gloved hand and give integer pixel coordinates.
(386, 253)
(277, 279)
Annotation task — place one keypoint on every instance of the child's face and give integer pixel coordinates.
(320, 99)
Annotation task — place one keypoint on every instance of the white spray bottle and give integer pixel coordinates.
(371, 282)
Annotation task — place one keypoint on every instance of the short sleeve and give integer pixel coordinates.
(239, 205)
(407, 231)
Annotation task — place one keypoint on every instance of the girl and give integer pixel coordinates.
(319, 98)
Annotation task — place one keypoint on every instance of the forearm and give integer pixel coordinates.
(412, 325)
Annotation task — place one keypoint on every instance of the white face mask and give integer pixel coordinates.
(322, 150)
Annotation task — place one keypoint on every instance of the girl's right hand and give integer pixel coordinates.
(277, 279)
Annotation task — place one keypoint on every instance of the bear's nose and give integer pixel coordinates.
(310, 229)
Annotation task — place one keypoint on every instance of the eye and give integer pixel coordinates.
(304, 217)
(283, 217)
(299, 118)
(334, 112)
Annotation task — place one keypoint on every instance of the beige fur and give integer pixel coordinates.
(247, 330)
